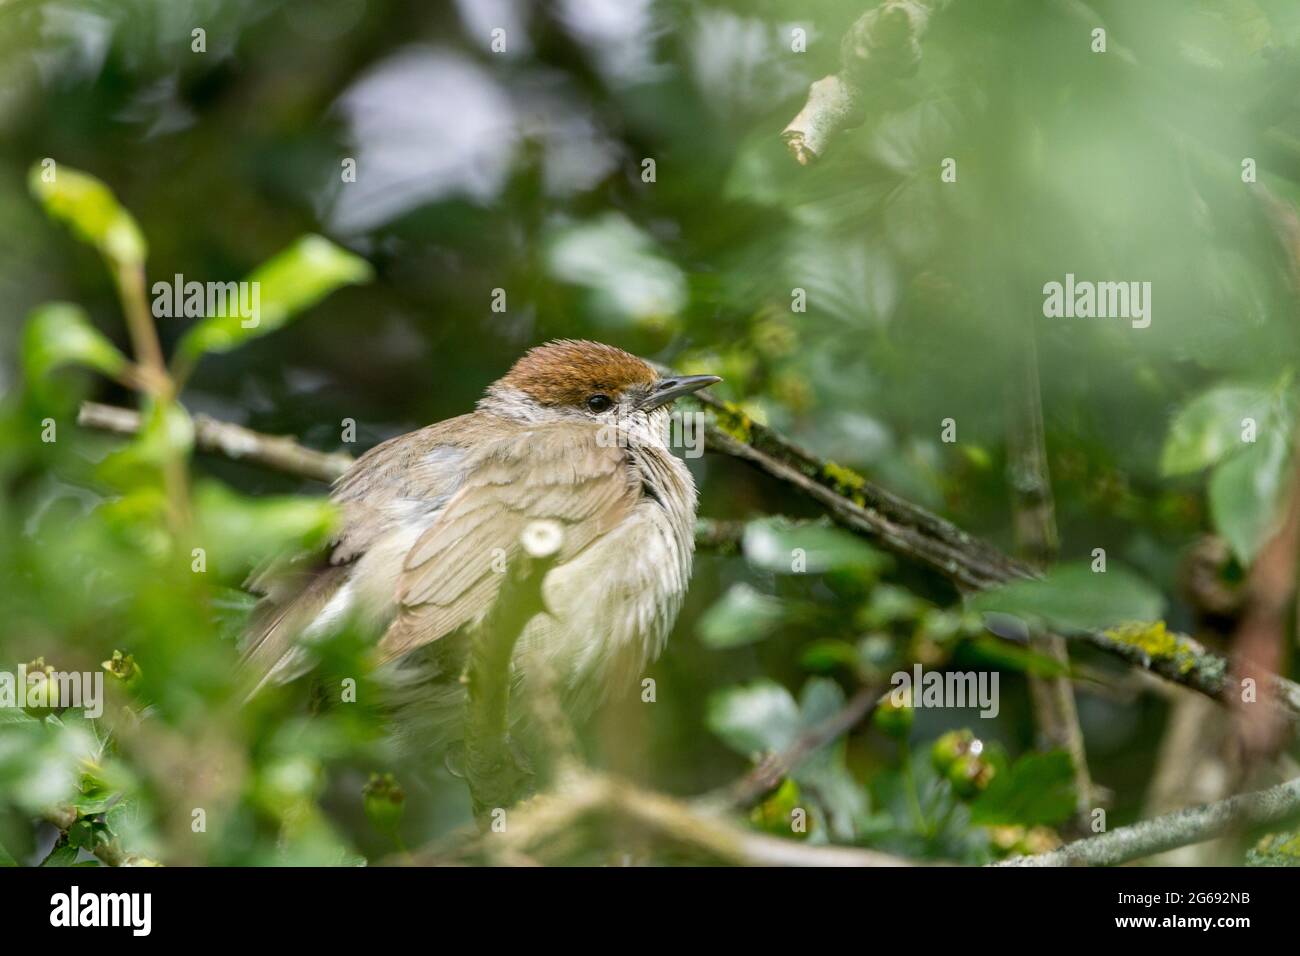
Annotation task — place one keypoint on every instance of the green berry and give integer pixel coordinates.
(894, 717)
(945, 751)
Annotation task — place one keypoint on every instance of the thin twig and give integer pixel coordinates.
(1193, 825)
(553, 825)
(776, 767)
(277, 452)
(110, 853)
(1034, 519)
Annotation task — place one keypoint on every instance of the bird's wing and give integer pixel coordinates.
(420, 467)
(560, 472)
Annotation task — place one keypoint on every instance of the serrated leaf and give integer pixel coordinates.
(1210, 426)
(1074, 596)
(741, 616)
(1246, 494)
(286, 285)
(60, 334)
(89, 207)
(756, 718)
(776, 545)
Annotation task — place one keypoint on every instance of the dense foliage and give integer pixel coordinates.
(863, 305)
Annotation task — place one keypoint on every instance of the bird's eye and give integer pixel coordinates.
(599, 403)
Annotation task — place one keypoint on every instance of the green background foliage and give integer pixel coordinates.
(522, 171)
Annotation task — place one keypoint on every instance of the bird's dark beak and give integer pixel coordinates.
(667, 389)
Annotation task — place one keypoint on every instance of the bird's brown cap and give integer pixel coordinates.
(568, 371)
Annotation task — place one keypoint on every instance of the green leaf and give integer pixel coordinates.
(237, 532)
(626, 278)
(756, 718)
(1210, 426)
(776, 545)
(1246, 493)
(1004, 656)
(1037, 791)
(887, 605)
(63, 854)
(1074, 596)
(741, 616)
(89, 207)
(60, 334)
(286, 285)
(167, 431)
(827, 654)
(6, 858)
(821, 698)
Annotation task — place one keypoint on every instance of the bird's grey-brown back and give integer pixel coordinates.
(574, 433)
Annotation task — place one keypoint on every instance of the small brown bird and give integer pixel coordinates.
(576, 433)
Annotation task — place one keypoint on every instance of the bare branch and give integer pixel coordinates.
(776, 767)
(1034, 518)
(553, 826)
(279, 453)
(882, 47)
(1193, 825)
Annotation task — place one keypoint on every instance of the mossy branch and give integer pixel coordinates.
(1181, 828)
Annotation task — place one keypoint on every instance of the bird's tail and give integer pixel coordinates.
(293, 599)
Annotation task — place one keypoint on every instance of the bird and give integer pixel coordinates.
(575, 434)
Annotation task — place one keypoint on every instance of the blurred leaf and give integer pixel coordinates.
(1007, 656)
(40, 762)
(1246, 494)
(1209, 427)
(1037, 791)
(756, 718)
(823, 775)
(63, 854)
(819, 699)
(61, 334)
(827, 654)
(772, 543)
(741, 616)
(88, 206)
(854, 283)
(1074, 596)
(237, 531)
(6, 858)
(775, 813)
(167, 431)
(286, 285)
(887, 604)
(619, 264)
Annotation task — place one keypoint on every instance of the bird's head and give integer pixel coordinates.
(574, 380)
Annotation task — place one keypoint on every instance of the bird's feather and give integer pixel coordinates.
(561, 472)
